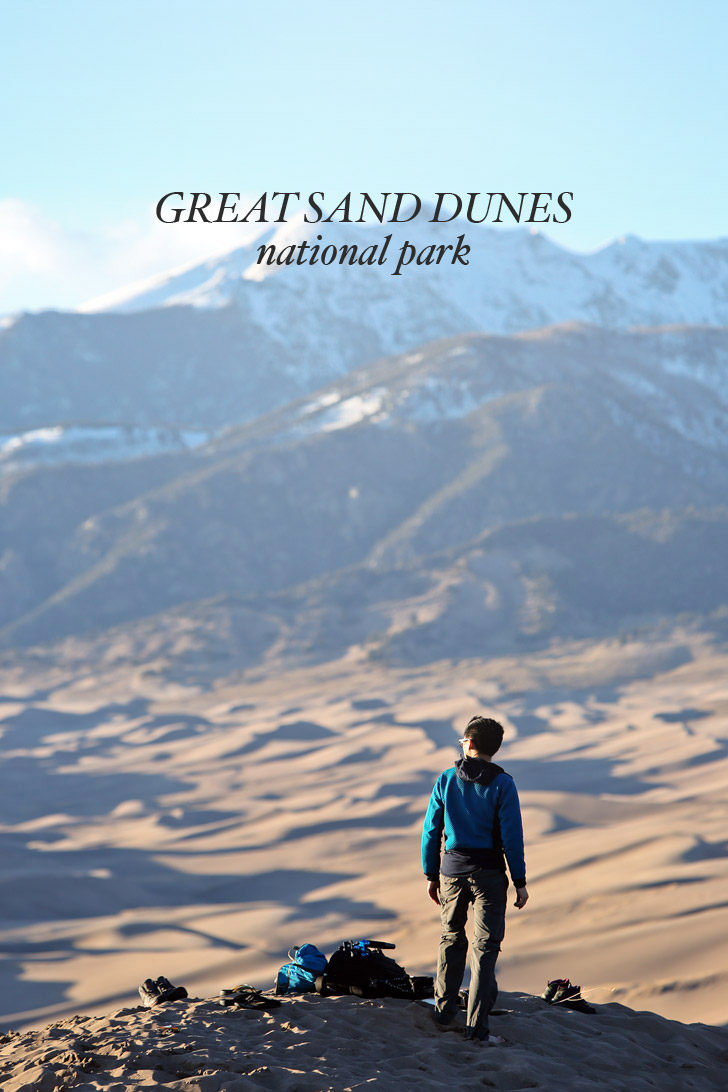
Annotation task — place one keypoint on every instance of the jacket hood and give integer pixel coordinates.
(477, 769)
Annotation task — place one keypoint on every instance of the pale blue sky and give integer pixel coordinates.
(107, 105)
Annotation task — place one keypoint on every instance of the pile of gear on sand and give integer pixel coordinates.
(357, 967)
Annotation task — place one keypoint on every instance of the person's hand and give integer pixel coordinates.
(521, 897)
(433, 890)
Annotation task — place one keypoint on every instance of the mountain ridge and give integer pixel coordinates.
(497, 257)
(397, 461)
(220, 348)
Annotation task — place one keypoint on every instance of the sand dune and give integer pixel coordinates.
(343, 1044)
(206, 829)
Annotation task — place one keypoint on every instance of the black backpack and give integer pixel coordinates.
(360, 967)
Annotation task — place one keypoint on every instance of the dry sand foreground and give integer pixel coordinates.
(198, 831)
(343, 1044)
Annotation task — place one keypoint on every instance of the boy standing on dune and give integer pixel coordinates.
(475, 804)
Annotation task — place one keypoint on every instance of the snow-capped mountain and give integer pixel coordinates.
(227, 340)
(516, 279)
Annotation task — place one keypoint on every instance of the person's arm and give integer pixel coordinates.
(432, 842)
(511, 830)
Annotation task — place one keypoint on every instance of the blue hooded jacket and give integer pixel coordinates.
(476, 804)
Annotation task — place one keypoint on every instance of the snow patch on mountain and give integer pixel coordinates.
(351, 411)
(59, 444)
(331, 412)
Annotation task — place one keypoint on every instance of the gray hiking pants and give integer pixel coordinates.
(486, 890)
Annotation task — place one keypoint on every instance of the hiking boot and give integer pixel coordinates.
(150, 993)
(166, 991)
(444, 1022)
(570, 997)
(551, 988)
(565, 992)
(484, 1037)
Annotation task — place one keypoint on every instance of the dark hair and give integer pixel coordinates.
(486, 734)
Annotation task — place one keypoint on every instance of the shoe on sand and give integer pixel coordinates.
(159, 991)
(247, 997)
(570, 997)
(487, 1040)
(563, 993)
(149, 992)
(447, 1023)
(553, 987)
(474, 1036)
(168, 992)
